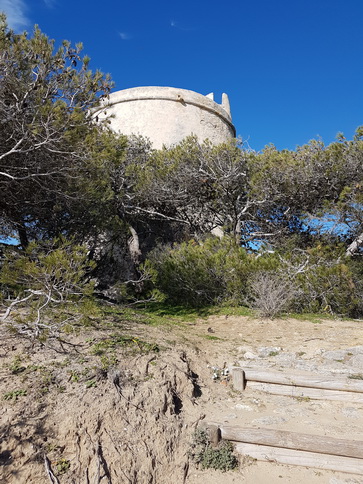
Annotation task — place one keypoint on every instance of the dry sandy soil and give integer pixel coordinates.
(87, 412)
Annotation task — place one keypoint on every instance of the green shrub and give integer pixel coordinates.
(47, 286)
(328, 283)
(118, 340)
(14, 395)
(62, 466)
(200, 273)
(219, 458)
(214, 271)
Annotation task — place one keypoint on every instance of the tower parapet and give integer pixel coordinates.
(166, 115)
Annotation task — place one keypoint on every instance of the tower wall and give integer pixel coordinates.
(166, 115)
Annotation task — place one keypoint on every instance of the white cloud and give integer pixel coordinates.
(15, 11)
(178, 26)
(50, 3)
(125, 36)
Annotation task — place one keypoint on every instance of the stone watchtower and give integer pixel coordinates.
(166, 115)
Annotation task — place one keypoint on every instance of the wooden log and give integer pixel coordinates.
(303, 380)
(300, 458)
(213, 432)
(238, 378)
(305, 392)
(294, 441)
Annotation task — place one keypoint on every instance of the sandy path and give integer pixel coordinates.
(327, 347)
(72, 405)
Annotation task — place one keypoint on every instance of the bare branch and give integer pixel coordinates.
(354, 246)
(52, 478)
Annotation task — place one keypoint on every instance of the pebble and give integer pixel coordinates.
(250, 356)
(351, 412)
(269, 420)
(230, 416)
(335, 355)
(356, 362)
(268, 351)
(240, 406)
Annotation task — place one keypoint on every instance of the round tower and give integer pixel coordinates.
(166, 115)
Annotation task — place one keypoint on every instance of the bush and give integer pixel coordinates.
(214, 271)
(200, 273)
(318, 279)
(271, 293)
(329, 283)
(219, 458)
(47, 287)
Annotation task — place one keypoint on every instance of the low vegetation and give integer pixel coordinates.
(208, 457)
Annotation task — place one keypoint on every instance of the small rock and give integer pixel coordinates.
(269, 420)
(337, 355)
(287, 358)
(356, 362)
(230, 416)
(318, 352)
(250, 356)
(356, 350)
(240, 406)
(243, 349)
(351, 412)
(269, 351)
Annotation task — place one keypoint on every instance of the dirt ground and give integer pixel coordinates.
(90, 410)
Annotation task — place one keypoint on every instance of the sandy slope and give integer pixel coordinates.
(128, 417)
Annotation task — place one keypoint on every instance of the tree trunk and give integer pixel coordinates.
(134, 247)
(23, 236)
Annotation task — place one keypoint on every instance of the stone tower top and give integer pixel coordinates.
(166, 115)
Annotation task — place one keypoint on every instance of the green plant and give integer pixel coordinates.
(108, 361)
(74, 376)
(211, 337)
(62, 466)
(302, 399)
(16, 366)
(49, 283)
(91, 383)
(165, 314)
(221, 458)
(329, 283)
(273, 353)
(202, 273)
(63, 363)
(47, 379)
(203, 454)
(13, 395)
(117, 340)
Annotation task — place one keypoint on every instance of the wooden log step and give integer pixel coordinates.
(301, 380)
(323, 382)
(238, 378)
(300, 458)
(306, 392)
(294, 441)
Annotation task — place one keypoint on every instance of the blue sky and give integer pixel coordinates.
(293, 69)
